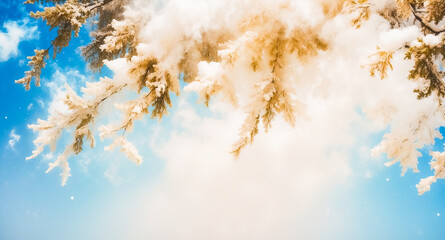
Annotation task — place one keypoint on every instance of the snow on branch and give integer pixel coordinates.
(252, 53)
(81, 114)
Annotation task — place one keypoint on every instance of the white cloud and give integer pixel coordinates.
(274, 190)
(48, 156)
(13, 139)
(112, 174)
(206, 194)
(84, 164)
(56, 86)
(368, 174)
(15, 32)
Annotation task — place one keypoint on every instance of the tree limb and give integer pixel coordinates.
(426, 24)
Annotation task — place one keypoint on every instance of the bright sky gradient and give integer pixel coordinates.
(109, 197)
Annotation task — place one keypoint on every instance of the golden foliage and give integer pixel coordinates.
(333, 8)
(205, 50)
(435, 11)
(248, 130)
(306, 43)
(158, 81)
(404, 8)
(68, 17)
(362, 10)
(37, 63)
(425, 67)
(273, 47)
(381, 63)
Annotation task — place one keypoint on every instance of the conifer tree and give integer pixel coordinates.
(266, 41)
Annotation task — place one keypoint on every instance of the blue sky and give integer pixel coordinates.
(106, 191)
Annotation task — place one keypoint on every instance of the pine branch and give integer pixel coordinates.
(432, 28)
(94, 6)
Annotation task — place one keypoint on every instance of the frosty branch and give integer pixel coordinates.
(261, 49)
